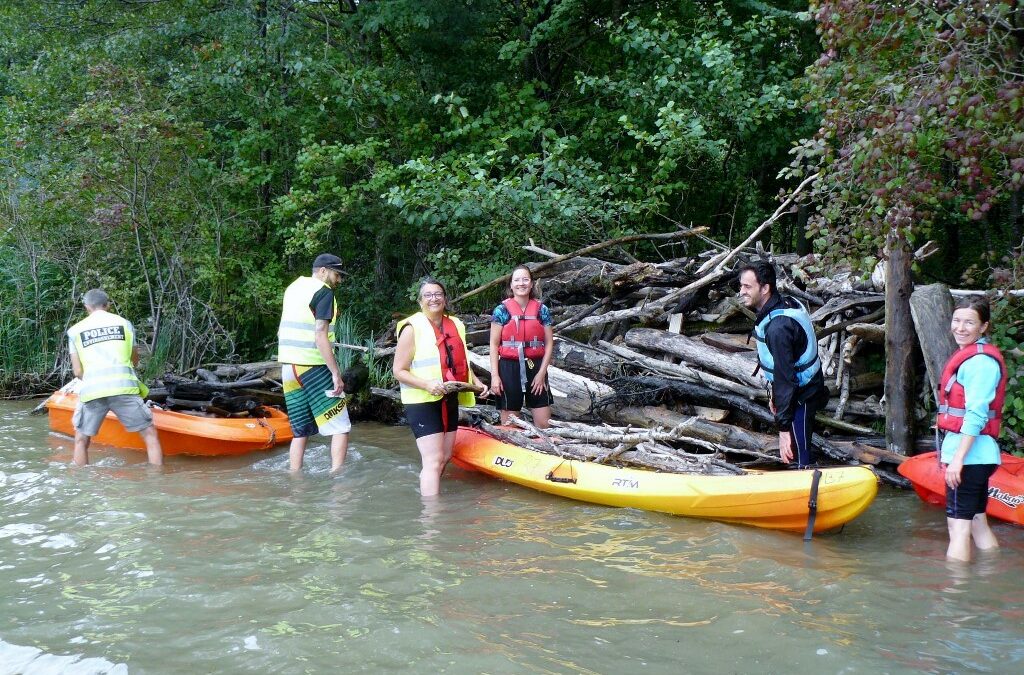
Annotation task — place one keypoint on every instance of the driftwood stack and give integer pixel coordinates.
(653, 365)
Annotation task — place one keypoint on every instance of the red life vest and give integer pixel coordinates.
(452, 351)
(952, 399)
(524, 330)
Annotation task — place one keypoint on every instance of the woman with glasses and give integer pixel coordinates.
(433, 370)
(521, 350)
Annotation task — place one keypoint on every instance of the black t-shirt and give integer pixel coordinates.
(322, 304)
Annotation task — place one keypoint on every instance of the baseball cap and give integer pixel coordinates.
(328, 260)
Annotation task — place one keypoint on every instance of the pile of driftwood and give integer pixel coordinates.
(653, 365)
(222, 390)
(236, 390)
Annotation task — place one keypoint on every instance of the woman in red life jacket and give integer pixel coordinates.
(430, 364)
(521, 351)
(971, 394)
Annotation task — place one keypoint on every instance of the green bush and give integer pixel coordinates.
(1007, 327)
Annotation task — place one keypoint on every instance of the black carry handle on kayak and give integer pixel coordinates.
(812, 506)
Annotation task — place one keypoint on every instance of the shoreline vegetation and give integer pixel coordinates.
(191, 158)
(653, 366)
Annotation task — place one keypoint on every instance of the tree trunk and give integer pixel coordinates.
(932, 309)
(899, 348)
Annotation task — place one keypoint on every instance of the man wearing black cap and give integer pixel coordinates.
(313, 387)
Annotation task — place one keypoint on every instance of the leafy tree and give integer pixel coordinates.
(922, 124)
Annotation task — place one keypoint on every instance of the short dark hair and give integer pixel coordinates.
(764, 272)
(979, 303)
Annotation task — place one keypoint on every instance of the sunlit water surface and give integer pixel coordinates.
(234, 566)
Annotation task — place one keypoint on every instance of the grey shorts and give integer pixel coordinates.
(130, 409)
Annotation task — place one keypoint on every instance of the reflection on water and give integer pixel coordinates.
(234, 565)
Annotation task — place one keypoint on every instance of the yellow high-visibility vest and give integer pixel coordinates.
(426, 361)
(104, 344)
(295, 334)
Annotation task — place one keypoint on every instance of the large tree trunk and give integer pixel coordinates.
(899, 348)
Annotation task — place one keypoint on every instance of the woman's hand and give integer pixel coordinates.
(437, 388)
(495, 385)
(483, 389)
(953, 470)
(539, 382)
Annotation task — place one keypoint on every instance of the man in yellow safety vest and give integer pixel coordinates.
(103, 354)
(313, 387)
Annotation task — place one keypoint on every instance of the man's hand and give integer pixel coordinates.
(339, 384)
(786, 446)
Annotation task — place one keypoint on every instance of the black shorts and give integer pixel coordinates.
(512, 389)
(426, 419)
(971, 497)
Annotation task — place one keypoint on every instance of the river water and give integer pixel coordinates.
(234, 566)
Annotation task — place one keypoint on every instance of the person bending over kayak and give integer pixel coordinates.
(787, 351)
(433, 371)
(521, 351)
(103, 354)
(971, 394)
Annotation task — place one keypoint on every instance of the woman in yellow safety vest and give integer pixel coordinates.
(429, 363)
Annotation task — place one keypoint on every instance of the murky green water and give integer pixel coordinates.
(233, 566)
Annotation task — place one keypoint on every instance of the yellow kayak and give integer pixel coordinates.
(772, 499)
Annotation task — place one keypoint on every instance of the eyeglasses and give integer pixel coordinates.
(432, 296)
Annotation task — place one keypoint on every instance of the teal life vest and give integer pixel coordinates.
(808, 365)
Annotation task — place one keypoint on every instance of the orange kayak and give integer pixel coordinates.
(771, 499)
(1005, 488)
(181, 433)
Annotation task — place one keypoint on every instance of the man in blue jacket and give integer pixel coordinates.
(787, 350)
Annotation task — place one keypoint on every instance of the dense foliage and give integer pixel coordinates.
(191, 156)
(922, 129)
(921, 108)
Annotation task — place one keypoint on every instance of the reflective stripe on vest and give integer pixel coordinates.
(104, 343)
(808, 364)
(953, 399)
(296, 343)
(426, 361)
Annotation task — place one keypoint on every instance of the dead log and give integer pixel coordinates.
(737, 367)
(170, 378)
(722, 434)
(537, 269)
(574, 395)
(846, 302)
(685, 372)
(577, 357)
(729, 342)
(871, 332)
(899, 348)
(719, 261)
(703, 395)
(931, 307)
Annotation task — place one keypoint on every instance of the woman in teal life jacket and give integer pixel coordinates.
(971, 394)
(522, 345)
